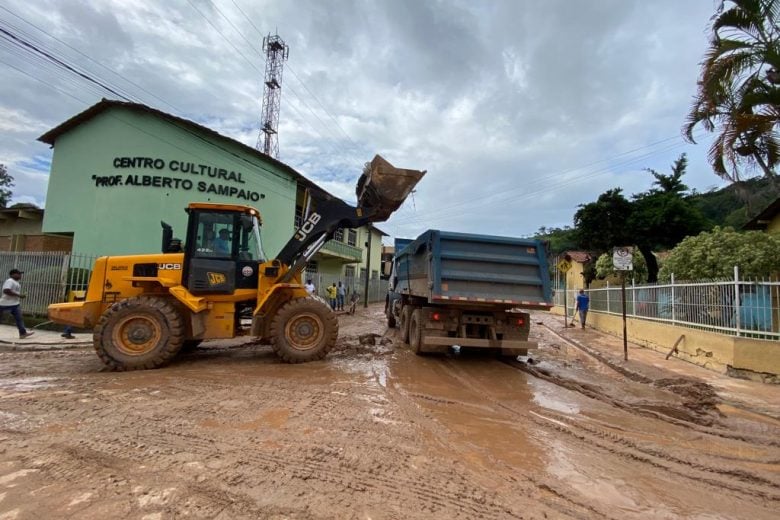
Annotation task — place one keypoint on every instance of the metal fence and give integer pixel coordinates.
(52, 277)
(737, 307)
(49, 277)
(377, 288)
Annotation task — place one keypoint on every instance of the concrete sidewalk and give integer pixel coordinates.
(41, 339)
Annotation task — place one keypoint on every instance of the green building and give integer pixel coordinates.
(120, 168)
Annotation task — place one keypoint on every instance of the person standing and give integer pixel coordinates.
(309, 287)
(11, 300)
(222, 242)
(583, 302)
(332, 291)
(341, 294)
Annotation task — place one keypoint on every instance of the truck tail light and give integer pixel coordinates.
(435, 316)
(520, 322)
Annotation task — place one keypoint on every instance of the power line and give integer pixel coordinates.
(90, 59)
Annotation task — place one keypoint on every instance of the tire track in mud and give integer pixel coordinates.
(663, 414)
(649, 454)
(162, 435)
(559, 501)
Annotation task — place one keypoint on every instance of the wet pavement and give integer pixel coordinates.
(374, 431)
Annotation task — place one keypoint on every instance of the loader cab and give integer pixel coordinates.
(222, 251)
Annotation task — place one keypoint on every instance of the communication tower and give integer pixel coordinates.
(276, 53)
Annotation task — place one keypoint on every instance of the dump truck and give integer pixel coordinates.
(144, 309)
(455, 289)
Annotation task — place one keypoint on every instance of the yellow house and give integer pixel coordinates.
(768, 220)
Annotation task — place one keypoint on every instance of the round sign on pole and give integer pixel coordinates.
(622, 258)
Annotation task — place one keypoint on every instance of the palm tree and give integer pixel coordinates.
(738, 93)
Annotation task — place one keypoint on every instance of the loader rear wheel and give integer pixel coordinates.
(139, 333)
(304, 329)
(406, 314)
(415, 332)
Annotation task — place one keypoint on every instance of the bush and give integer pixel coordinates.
(714, 254)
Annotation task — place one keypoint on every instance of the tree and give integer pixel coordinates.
(714, 254)
(601, 225)
(560, 239)
(653, 220)
(664, 215)
(737, 93)
(6, 183)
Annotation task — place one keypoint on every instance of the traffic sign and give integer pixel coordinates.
(564, 265)
(623, 258)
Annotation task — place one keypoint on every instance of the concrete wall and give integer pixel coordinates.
(39, 242)
(752, 358)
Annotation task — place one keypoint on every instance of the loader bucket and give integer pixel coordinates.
(383, 188)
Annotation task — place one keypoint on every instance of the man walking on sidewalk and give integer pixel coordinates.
(11, 300)
(583, 302)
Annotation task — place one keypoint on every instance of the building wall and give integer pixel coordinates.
(774, 225)
(125, 219)
(39, 242)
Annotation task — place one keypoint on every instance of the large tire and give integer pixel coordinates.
(406, 314)
(389, 314)
(304, 329)
(416, 332)
(139, 333)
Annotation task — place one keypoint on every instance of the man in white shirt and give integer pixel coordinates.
(11, 299)
(309, 287)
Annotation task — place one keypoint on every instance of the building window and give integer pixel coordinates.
(352, 237)
(349, 271)
(339, 235)
(298, 216)
(311, 269)
(374, 274)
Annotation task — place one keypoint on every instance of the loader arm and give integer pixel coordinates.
(381, 190)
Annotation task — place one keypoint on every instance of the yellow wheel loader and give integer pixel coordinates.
(144, 309)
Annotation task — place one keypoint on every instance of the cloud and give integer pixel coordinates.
(520, 111)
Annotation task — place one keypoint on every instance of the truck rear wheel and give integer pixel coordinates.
(416, 332)
(304, 329)
(139, 333)
(406, 314)
(389, 314)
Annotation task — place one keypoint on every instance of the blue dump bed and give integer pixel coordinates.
(451, 268)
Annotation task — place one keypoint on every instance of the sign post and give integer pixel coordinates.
(563, 266)
(622, 260)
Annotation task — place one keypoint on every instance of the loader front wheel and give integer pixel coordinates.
(139, 333)
(304, 329)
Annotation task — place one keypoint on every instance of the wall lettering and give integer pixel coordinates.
(176, 183)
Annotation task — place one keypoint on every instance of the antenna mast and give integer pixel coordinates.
(276, 53)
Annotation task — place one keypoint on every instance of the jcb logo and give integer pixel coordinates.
(217, 278)
(307, 226)
(169, 267)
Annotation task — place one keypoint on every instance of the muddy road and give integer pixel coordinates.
(374, 431)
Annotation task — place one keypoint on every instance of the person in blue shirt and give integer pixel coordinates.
(222, 242)
(583, 302)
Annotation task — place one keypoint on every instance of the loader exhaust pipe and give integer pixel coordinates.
(382, 187)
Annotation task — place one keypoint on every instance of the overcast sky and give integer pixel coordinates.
(520, 110)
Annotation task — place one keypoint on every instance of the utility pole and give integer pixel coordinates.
(276, 53)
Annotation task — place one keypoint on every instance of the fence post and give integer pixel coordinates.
(64, 276)
(607, 297)
(673, 318)
(736, 298)
(633, 296)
